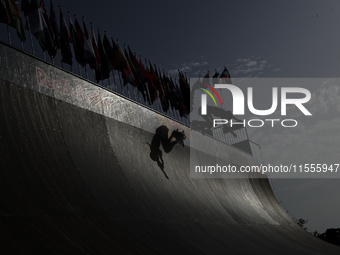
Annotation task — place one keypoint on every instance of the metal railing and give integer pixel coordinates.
(229, 138)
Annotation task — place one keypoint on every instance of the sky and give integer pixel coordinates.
(263, 38)
(269, 38)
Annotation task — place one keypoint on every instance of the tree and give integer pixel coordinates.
(301, 222)
(332, 235)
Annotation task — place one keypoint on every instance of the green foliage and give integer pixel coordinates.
(301, 222)
(332, 235)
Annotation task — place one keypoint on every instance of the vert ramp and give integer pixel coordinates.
(77, 178)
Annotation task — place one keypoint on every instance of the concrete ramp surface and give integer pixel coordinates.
(77, 177)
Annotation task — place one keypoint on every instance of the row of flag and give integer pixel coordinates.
(99, 53)
(10, 14)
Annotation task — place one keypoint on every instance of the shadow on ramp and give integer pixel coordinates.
(161, 138)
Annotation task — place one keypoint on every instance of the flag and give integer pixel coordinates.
(39, 28)
(103, 72)
(138, 83)
(156, 80)
(15, 18)
(180, 104)
(108, 52)
(170, 92)
(117, 59)
(56, 36)
(127, 73)
(206, 78)
(124, 67)
(51, 51)
(143, 74)
(207, 75)
(128, 76)
(216, 74)
(152, 91)
(150, 84)
(156, 84)
(225, 77)
(185, 90)
(162, 92)
(89, 55)
(4, 17)
(47, 19)
(145, 78)
(77, 39)
(66, 54)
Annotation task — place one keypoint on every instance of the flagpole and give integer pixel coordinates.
(147, 88)
(188, 116)
(127, 88)
(177, 116)
(69, 20)
(146, 67)
(114, 81)
(171, 110)
(80, 72)
(158, 98)
(162, 87)
(61, 56)
(86, 73)
(174, 111)
(8, 35)
(52, 59)
(177, 90)
(100, 68)
(140, 94)
(94, 72)
(30, 32)
(108, 61)
(94, 75)
(134, 92)
(121, 84)
(55, 36)
(113, 74)
(133, 87)
(160, 82)
(147, 91)
(119, 75)
(61, 59)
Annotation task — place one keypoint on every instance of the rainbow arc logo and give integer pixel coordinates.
(211, 95)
